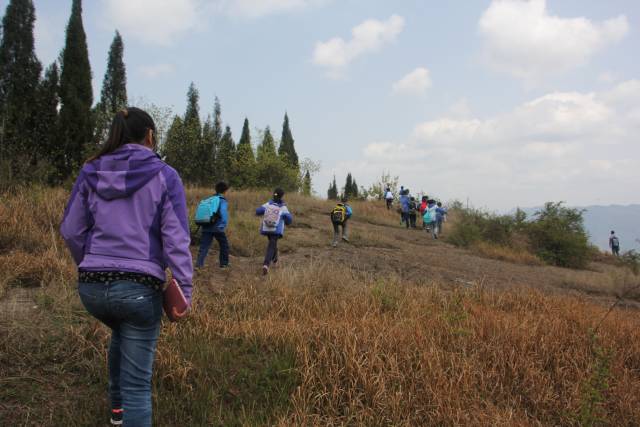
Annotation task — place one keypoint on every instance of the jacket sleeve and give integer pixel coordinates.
(224, 214)
(175, 233)
(349, 211)
(287, 217)
(77, 220)
(260, 211)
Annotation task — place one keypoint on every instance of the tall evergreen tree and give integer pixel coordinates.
(113, 96)
(266, 149)
(306, 184)
(287, 150)
(226, 156)
(348, 186)
(354, 189)
(217, 120)
(173, 149)
(19, 79)
(244, 175)
(207, 156)
(47, 124)
(332, 193)
(192, 115)
(76, 95)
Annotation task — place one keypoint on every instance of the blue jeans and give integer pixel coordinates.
(205, 244)
(133, 313)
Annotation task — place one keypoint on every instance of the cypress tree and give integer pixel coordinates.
(348, 186)
(192, 115)
(47, 124)
(76, 95)
(226, 156)
(207, 156)
(173, 150)
(306, 184)
(217, 120)
(267, 149)
(332, 193)
(19, 80)
(354, 189)
(113, 97)
(287, 150)
(245, 167)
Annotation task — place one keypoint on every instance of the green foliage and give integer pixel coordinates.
(47, 125)
(19, 82)
(306, 184)
(76, 97)
(386, 180)
(557, 236)
(244, 175)
(473, 225)
(226, 155)
(287, 151)
(271, 170)
(192, 115)
(631, 259)
(332, 193)
(113, 96)
(350, 189)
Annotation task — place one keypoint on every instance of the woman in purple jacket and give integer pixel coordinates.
(125, 223)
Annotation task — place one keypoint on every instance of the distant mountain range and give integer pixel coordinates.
(600, 220)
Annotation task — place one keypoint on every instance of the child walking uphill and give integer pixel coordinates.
(125, 222)
(339, 217)
(214, 227)
(275, 215)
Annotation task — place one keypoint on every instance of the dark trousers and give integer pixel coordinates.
(272, 250)
(389, 203)
(205, 245)
(615, 250)
(405, 218)
(412, 219)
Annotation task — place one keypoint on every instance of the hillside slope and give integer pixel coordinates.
(391, 329)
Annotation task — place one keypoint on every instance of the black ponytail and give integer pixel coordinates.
(129, 126)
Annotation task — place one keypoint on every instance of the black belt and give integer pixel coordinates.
(108, 277)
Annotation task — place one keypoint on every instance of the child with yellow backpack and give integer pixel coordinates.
(339, 217)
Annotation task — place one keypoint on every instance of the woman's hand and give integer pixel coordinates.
(177, 315)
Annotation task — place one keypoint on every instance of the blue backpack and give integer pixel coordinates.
(429, 215)
(207, 211)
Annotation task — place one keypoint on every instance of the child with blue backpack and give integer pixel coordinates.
(275, 215)
(215, 217)
(429, 218)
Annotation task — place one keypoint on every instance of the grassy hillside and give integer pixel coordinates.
(393, 329)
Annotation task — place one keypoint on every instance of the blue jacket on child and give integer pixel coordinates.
(285, 218)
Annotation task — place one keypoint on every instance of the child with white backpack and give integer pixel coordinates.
(275, 215)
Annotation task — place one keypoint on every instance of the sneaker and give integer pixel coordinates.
(224, 267)
(346, 239)
(265, 270)
(116, 417)
(334, 244)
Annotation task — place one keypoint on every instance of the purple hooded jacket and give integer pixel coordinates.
(128, 212)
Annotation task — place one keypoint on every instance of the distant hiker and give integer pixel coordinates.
(340, 215)
(429, 218)
(405, 202)
(441, 214)
(125, 222)
(388, 197)
(275, 215)
(213, 220)
(423, 207)
(614, 244)
(413, 209)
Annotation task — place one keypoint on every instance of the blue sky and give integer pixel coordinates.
(507, 102)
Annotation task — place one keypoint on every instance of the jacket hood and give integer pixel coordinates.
(121, 173)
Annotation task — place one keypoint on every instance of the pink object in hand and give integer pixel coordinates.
(173, 298)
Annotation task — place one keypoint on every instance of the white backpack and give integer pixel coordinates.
(271, 217)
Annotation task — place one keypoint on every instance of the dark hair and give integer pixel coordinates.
(278, 194)
(613, 232)
(344, 199)
(425, 198)
(221, 187)
(130, 125)
(439, 203)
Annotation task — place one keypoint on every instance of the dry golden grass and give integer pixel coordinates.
(318, 342)
(503, 253)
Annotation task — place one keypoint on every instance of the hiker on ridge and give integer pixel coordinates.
(441, 214)
(413, 208)
(388, 197)
(275, 215)
(614, 244)
(429, 218)
(339, 217)
(405, 202)
(214, 226)
(125, 222)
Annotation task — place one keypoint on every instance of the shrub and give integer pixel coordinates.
(472, 226)
(557, 235)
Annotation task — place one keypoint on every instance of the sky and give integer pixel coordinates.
(505, 102)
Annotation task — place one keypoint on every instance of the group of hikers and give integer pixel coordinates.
(433, 214)
(127, 221)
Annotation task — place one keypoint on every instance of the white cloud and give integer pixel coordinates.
(157, 22)
(161, 22)
(156, 70)
(416, 82)
(259, 8)
(523, 39)
(369, 36)
(572, 146)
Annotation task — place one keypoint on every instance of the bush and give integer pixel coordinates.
(557, 235)
(472, 226)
